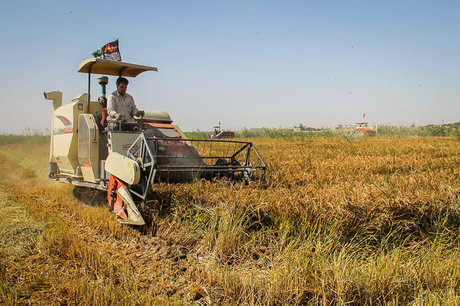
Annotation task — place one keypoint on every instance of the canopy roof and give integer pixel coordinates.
(117, 68)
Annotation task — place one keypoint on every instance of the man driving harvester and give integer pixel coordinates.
(121, 106)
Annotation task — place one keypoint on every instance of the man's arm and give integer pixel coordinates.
(134, 109)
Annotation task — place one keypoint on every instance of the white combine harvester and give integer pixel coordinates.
(126, 161)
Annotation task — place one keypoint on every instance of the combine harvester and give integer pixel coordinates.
(219, 133)
(127, 160)
(362, 129)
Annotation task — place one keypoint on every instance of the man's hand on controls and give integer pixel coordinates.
(120, 116)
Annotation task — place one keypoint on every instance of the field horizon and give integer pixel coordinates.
(299, 130)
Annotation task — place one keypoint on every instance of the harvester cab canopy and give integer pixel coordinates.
(116, 68)
(109, 67)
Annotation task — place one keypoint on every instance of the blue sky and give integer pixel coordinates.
(244, 63)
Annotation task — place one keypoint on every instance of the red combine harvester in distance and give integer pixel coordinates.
(219, 133)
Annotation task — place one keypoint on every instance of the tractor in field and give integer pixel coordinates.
(128, 158)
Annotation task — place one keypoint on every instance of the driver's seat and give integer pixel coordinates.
(105, 114)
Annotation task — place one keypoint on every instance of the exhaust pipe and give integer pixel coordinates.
(103, 81)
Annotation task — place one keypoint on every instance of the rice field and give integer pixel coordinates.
(335, 220)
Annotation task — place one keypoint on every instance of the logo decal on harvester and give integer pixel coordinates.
(68, 126)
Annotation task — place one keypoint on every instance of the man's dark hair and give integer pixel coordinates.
(122, 80)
